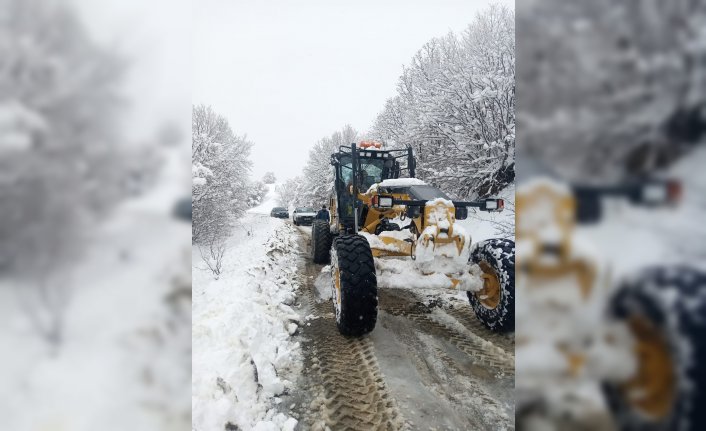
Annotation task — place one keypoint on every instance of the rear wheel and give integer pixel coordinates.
(664, 309)
(320, 242)
(354, 285)
(494, 304)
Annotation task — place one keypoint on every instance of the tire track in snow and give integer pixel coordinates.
(356, 397)
(430, 321)
(347, 390)
(464, 314)
(452, 373)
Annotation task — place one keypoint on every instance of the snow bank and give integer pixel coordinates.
(244, 357)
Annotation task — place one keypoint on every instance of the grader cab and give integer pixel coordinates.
(380, 210)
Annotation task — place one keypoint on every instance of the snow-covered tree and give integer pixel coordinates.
(611, 88)
(60, 99)
(315, 185)
(318, 177)
(220, 170)
(455, 107)
(256, 192)
(60, 161)
(269, 178)
(290, 193)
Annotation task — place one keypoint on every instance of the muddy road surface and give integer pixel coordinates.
(430, 367)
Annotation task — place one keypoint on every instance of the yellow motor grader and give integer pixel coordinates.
(640, 341)
(379, 209)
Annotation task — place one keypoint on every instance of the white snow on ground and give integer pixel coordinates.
(244, 357)
(125, 359)
(323, 284)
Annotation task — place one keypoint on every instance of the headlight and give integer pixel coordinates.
(385, 202)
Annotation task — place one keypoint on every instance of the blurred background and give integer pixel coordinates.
(611, 198)
(95, 283)
(95, 280)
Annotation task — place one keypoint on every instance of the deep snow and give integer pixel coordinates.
(244, 357)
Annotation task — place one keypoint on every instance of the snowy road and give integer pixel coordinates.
(268, 355)
(428, 364)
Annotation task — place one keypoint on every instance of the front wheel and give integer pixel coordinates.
(354, 285)
(664, 309)
(494, 304)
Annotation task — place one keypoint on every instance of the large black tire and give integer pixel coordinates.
(673, 301)
(320, 242)
(498, 254)
(353, 269)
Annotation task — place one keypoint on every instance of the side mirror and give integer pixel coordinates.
(461, 213)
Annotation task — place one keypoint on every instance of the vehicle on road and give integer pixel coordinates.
(279, 212)
(377, 213)
(303, 216)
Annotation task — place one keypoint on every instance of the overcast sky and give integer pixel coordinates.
(288, 73)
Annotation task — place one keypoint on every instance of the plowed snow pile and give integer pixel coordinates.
(403, 273)
(244, 358)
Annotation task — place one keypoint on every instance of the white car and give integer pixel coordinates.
(303, 216)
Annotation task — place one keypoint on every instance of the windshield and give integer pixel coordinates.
(279, 209)
(369, 174)
(372, 170)
(305, 210)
